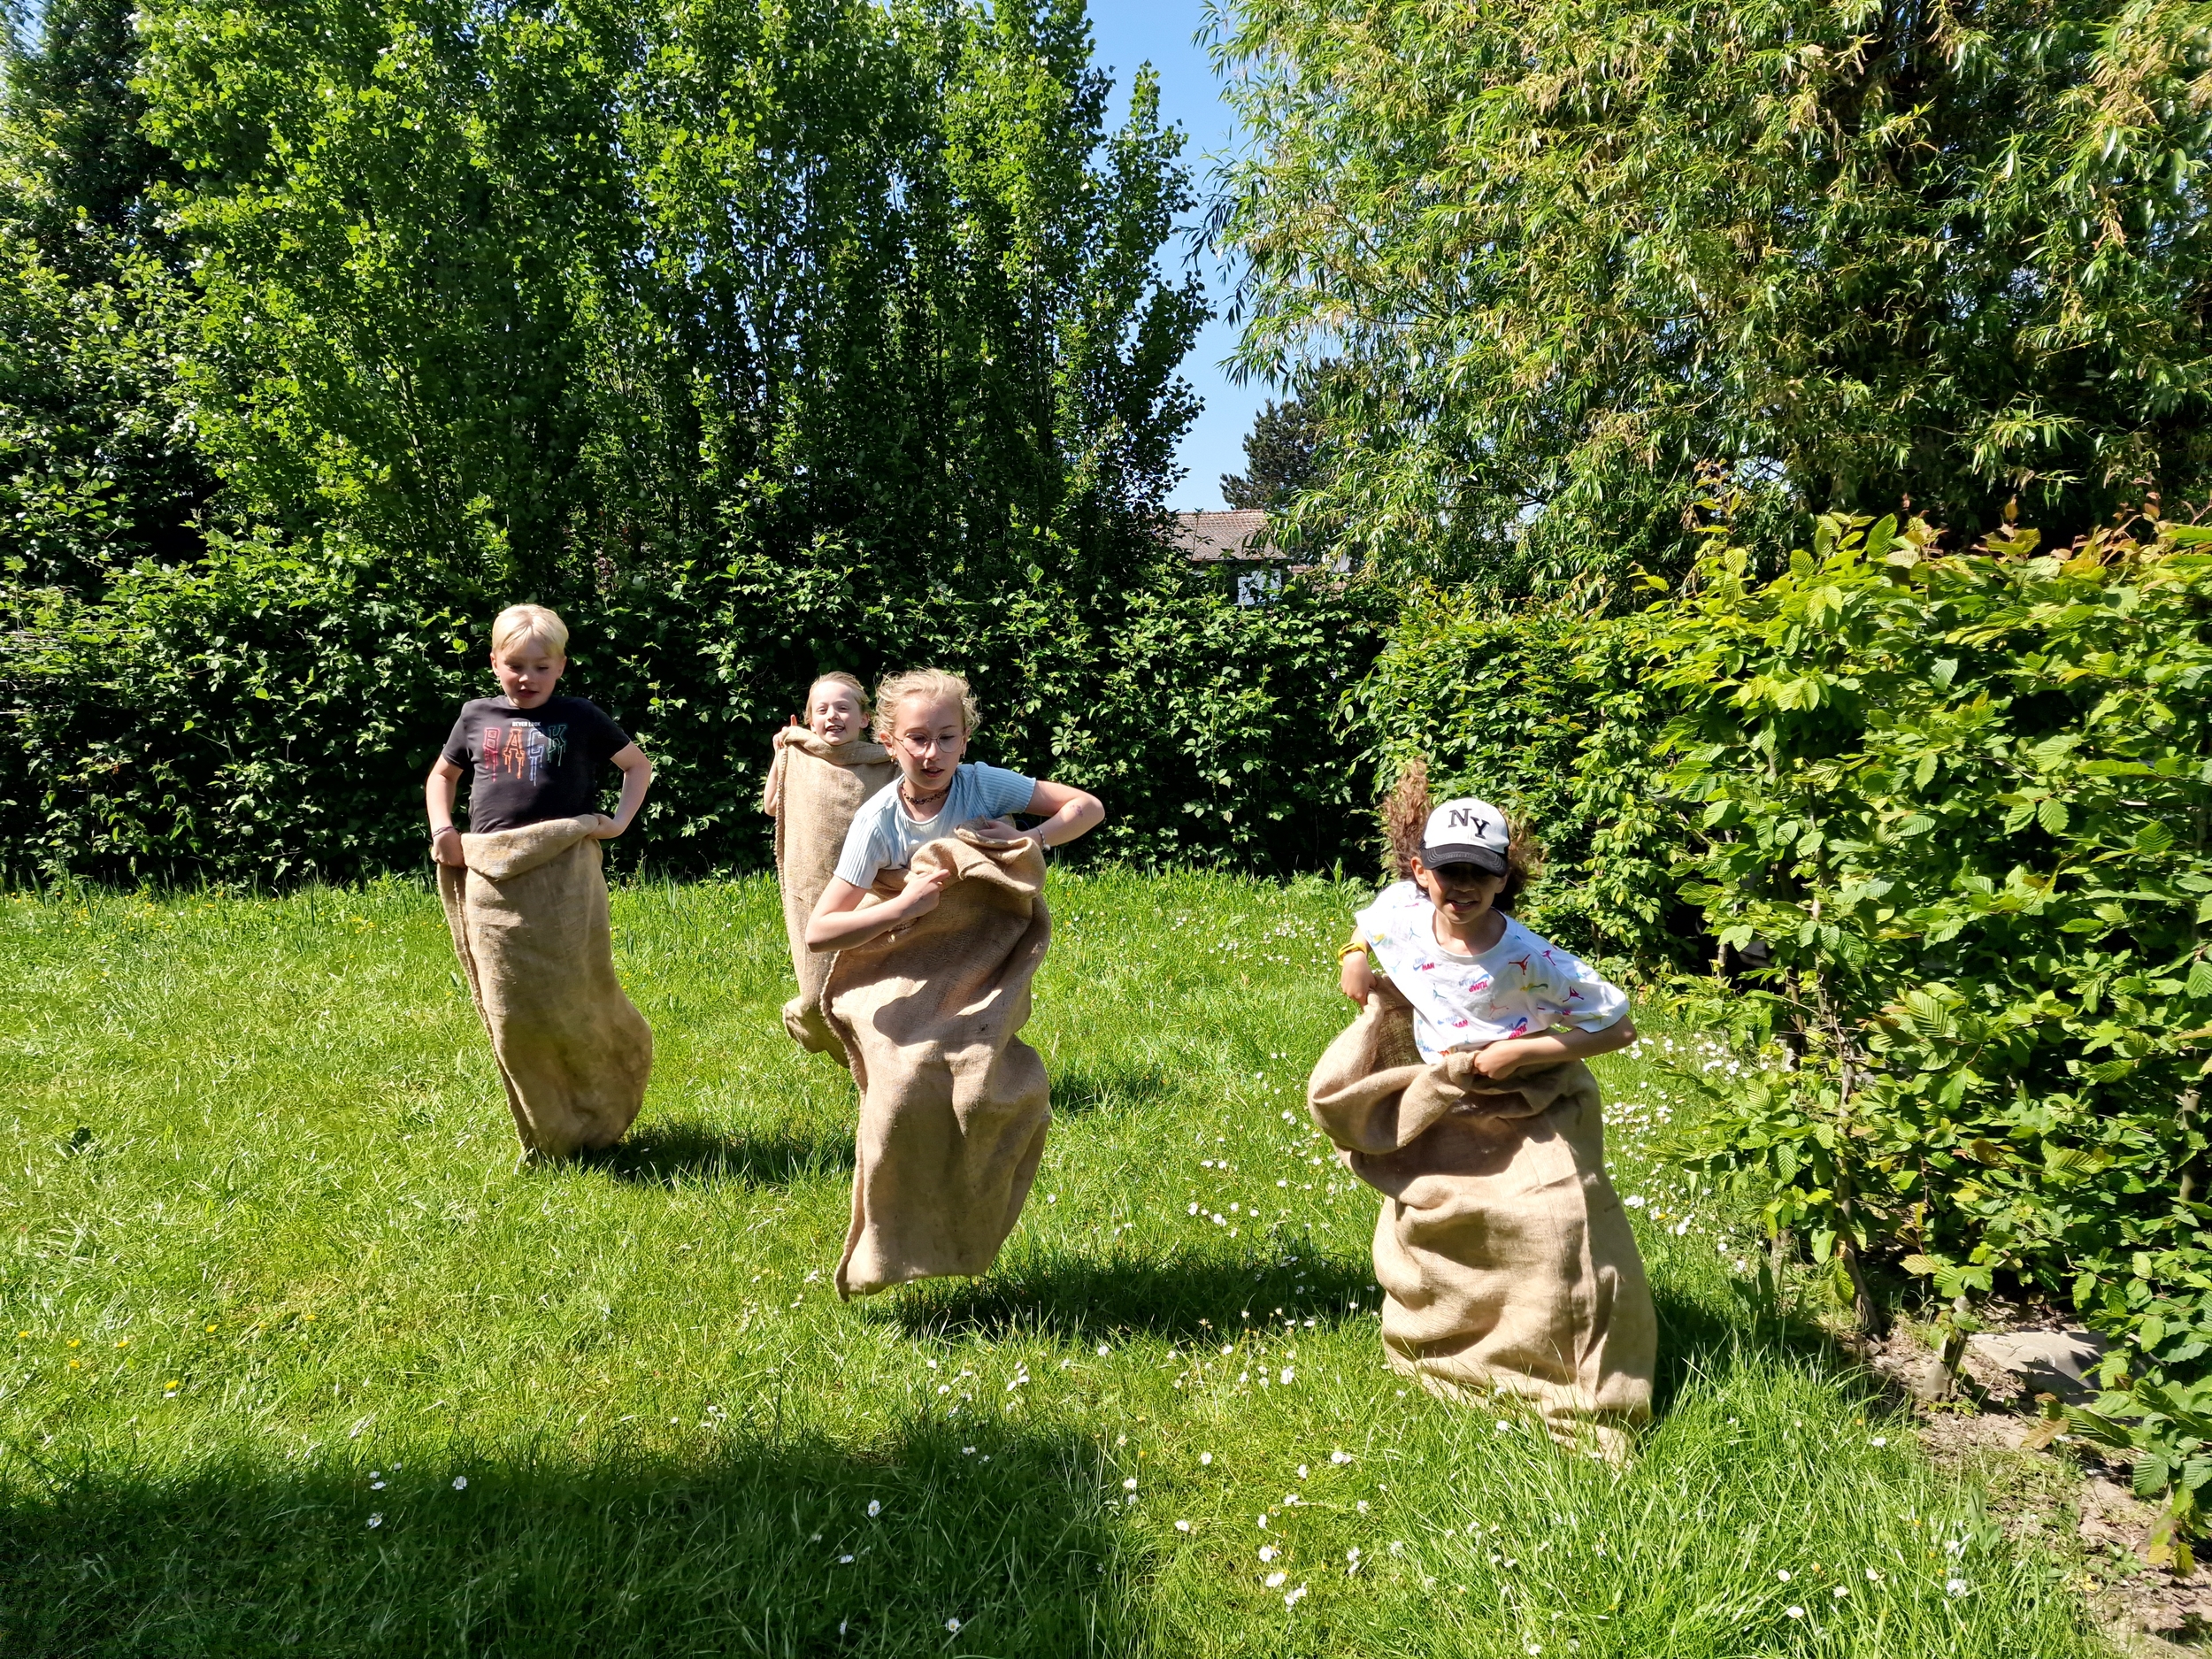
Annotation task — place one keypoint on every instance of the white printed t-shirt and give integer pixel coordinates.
(1519, 985)
(885, 835)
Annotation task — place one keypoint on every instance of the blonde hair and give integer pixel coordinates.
(933, 683)
(521, 624)
(837, 677)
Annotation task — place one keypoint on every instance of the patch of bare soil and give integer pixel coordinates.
(2065, 1498)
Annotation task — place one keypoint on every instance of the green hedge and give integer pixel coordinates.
(1964, 799)
(1944, 819)
(1548, 711)
(259, 717)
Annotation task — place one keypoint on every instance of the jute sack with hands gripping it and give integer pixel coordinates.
(813, 790)
(1503, 1252)
(528, 914)
(953, 1104)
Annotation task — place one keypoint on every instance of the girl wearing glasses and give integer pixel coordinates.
(925, 719)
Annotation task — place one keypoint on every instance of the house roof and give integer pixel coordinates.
(1209, 538)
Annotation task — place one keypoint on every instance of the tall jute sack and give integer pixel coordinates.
(953, 1104)
(1503, 1252)
(528, 913)
(813, 790)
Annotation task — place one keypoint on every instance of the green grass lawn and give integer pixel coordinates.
(299, 1362)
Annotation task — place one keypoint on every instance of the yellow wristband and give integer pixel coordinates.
(1357, 947)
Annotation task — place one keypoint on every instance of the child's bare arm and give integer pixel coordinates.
(437, 800)
(1070, 813)
(637, 777)
(1356, 975)
(838, 919)
(1501, 1060)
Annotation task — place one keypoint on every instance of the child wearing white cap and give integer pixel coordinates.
(1476, 978)
(1506, 1259)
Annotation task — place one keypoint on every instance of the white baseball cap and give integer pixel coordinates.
(1466, 831)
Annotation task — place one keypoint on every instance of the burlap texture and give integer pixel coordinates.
(1503, 1252)
(953, 1104)
(528, 914)
(813, 790)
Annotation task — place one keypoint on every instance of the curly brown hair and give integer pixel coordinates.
(1405, 814)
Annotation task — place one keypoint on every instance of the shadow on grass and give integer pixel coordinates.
(1701, 1340)
(1081, 1087)
(688, 1154)
(747, 1547)
(1051, 1293)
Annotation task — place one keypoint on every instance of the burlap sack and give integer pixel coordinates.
(953, 1104)
(813, 790)
(528, 913)
(1503, 1252)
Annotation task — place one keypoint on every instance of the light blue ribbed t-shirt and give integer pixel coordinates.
(885, 836)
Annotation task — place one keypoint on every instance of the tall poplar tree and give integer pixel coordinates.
(99, 461)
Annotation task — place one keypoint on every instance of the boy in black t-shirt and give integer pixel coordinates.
(531, 756)
(526, 897)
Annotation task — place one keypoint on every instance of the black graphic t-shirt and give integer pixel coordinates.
(527, 765)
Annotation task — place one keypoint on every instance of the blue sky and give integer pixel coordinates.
(1158, 32)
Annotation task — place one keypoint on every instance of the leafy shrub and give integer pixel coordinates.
(1962, 799)
(259, 716)
(1548, 711)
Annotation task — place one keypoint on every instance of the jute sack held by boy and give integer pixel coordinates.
(821, 773)
(937, 915)
(1460, 1094)
(525, 896)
